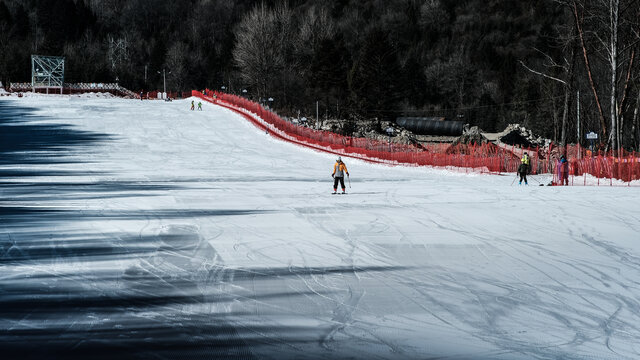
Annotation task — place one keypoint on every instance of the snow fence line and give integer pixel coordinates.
(272, 130)
(606, 169)
(280, 134)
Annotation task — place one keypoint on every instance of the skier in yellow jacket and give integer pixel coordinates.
(339, 169)
(524, 168)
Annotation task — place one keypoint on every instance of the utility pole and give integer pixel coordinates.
(164, 80)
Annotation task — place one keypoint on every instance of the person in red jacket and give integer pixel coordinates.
(339, 169)
(563, 170)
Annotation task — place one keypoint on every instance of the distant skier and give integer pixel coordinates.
(524, 167)
(339, 169)
(199, 105)
(192, 105)
(563, 170)
(141, 95)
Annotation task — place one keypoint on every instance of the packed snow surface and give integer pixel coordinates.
(140, 229)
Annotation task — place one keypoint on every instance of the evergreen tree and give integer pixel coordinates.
(328, 71)
(5, 16)
(20, 23)
(374, 84)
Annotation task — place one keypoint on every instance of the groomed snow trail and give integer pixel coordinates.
(142, 229)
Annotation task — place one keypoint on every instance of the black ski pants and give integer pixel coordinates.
(523, 176)
(335, 182)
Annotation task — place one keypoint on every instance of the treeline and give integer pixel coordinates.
(486, 62)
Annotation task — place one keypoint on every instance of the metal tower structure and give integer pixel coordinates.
(47, 72)
(118, 52)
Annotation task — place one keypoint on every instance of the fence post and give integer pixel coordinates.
(633, 164)
(611, 172)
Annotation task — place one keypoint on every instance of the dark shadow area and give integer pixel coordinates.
(70, 291)
(44, 247)
(32, 216)
(160, 307)
(146, 312)
(262, 273)
(49, 304)
(209, 337)
(17, 173)
(43, 191)
(22, 141)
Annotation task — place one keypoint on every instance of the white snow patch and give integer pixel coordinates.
(413, 262)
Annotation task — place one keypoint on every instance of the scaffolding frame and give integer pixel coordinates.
(47, 72)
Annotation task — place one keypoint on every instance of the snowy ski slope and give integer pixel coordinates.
(140, 229)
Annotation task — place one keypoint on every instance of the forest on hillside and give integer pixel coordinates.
(559, 67)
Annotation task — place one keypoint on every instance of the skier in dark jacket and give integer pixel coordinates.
(339, 169)
(523, 169)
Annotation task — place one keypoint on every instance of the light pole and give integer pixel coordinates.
(164, 80)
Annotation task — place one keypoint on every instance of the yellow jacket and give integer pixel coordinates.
(339, 168)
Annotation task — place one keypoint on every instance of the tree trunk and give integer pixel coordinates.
(623, 101)
(613, 61)
(565, 115)
(603, 125)
(634, 127)
(555, 120)
(567, 94)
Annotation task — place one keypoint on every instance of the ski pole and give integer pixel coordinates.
(534, 179)
(348, 178)
(514, 179)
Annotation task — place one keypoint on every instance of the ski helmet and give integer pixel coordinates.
(339, 159)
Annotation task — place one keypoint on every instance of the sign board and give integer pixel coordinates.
(592, 136)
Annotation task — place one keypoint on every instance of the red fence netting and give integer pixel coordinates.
(484, 158)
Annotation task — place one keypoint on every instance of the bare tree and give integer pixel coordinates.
(578, 13)
(176, 61)
(316, 25)
(635, 131)
(612, 35)
(565, 38)
(252, 49)
(260, 50)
